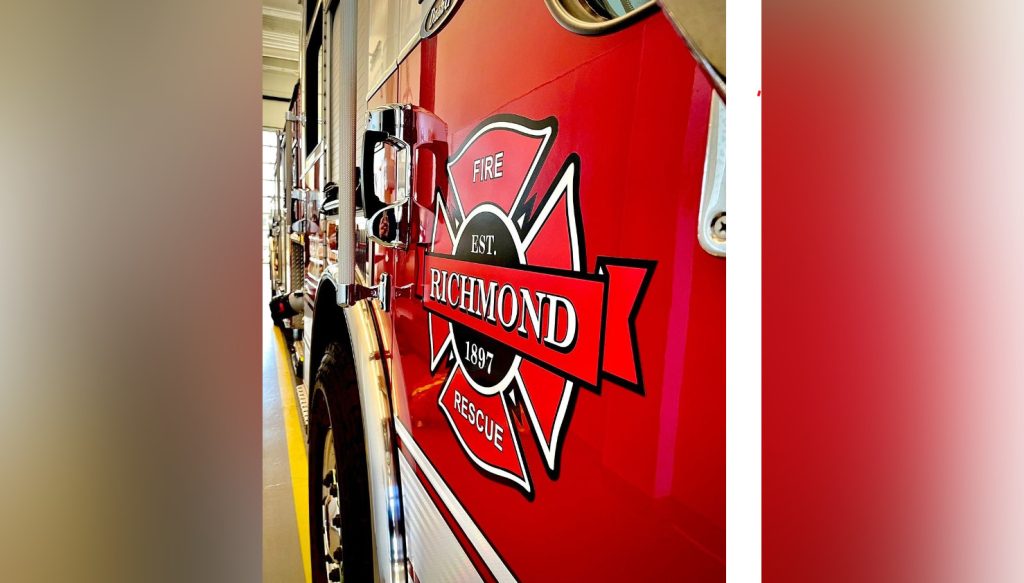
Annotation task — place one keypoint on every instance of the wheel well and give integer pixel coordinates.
(329, 325)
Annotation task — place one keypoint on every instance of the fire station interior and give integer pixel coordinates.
(284, 451)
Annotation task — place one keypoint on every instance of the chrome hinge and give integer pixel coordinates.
(349, 294)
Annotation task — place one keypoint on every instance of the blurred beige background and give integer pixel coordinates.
(129, 405)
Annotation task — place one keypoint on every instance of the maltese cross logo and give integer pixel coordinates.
(512, 308)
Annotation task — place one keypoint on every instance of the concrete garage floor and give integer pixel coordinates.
(285, 536)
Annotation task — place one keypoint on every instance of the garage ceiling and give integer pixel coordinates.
(281, 26)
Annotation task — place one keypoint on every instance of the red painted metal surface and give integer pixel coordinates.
(639, 487)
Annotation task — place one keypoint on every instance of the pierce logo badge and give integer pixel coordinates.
(437, 16)
(512, 307)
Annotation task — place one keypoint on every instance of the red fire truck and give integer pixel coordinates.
(512, 301)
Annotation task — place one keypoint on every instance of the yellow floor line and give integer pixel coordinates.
(296, 448)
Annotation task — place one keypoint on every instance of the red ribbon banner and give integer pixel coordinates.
(576, 323)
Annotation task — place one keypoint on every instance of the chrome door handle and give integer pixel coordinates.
(389, 226)
(388, 127)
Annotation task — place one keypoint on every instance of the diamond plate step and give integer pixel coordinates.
(300, 392)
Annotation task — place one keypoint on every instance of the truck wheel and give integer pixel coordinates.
(341, 543)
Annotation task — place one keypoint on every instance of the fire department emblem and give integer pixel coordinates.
(512, 307)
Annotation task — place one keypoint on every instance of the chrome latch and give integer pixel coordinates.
(711, 220)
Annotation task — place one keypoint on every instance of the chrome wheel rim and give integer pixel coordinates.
(330, 511)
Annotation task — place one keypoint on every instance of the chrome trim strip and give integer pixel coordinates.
(483, 546)
(711, 220)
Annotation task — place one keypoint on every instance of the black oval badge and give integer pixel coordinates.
(438, 14)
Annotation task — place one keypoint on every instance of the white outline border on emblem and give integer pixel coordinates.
(436, 356)
(544, 133)
(524, 482)
(564, 187)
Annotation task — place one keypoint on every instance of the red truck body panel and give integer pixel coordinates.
(611, 462)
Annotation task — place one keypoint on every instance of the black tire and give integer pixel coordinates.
(335, 411)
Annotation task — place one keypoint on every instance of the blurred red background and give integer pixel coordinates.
(892, 411)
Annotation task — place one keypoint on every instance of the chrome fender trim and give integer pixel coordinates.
(329, 274)
(374, 400)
